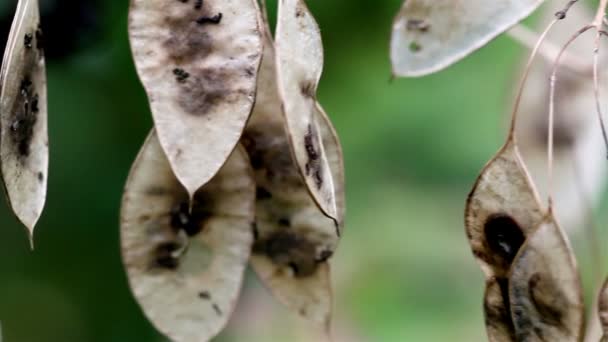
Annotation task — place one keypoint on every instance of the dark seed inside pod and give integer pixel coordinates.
(504, 236)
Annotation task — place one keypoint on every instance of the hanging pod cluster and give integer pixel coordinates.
(533, 290)
(23, 117)
(243, 165)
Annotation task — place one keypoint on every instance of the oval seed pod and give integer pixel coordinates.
(23, 111)
(185, 267)
(299, 59)
(497, 311)
(294, 240)
(430, 35)
(198, 62)
(603, 310)
(545, 289)
(501, 211)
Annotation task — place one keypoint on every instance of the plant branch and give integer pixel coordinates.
(548, 50)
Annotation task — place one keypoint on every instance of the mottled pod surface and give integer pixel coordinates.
(497, 311)
(198, 61)
(294, 239)
(23, 112)
(429, 35)
(299, 59)
(502, 210)
(185, 267)
(545, 289)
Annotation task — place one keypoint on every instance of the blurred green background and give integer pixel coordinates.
(413, 148)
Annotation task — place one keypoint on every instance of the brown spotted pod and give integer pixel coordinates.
(501, 211)
(430, 35)
(497, 311)
(23, 117)
(186, 265)
(294, 239)
(299, 63)
(603, 310)
(198, 61)
(545, 291)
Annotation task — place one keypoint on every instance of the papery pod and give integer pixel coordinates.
(185, 267)
(545, 289)
(501, 211)
(299, 60)
(23, 111)
(579, 165)
(603, 310)
(497, 311)
(294, 240)
(430, 35)
(198, 61)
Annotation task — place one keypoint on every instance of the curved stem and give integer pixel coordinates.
(596, 87)
(552, 113)
(525, 77)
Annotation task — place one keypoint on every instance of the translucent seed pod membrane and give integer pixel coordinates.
(23, 116)
(195, 210)
(186, 266)
(198, 62)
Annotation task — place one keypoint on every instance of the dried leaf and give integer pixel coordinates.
(501, 212)
(198, 62)
(186, 267)
(497, 311)
(23, 108)
(294, 239)
(299, 55)
(430, 35)
(545, 289)
(603, 310)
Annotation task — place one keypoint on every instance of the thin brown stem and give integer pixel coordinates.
(525, 77)
(596, 88)
(528, 38)
(552, 113)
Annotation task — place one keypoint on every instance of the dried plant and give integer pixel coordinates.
(23, 120)
(214, 77)
(533, 287)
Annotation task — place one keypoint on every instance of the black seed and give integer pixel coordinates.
(40, 176)
(256, 232)
(325, 255)
(504, 236)
(204, 295)
(27, 40)
(182, 219)
(198, 4)
(294, 267)
(216, 19)
(164, 256)
(262, 193)
(181, 76)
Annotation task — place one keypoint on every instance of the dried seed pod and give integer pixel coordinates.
(430, 35)
(294, 240)
(198, 62)
(23, 123)
(497, 311)
(502, 210)
(299, 56)
(603, 310)
(185, 266)
(545, 289)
